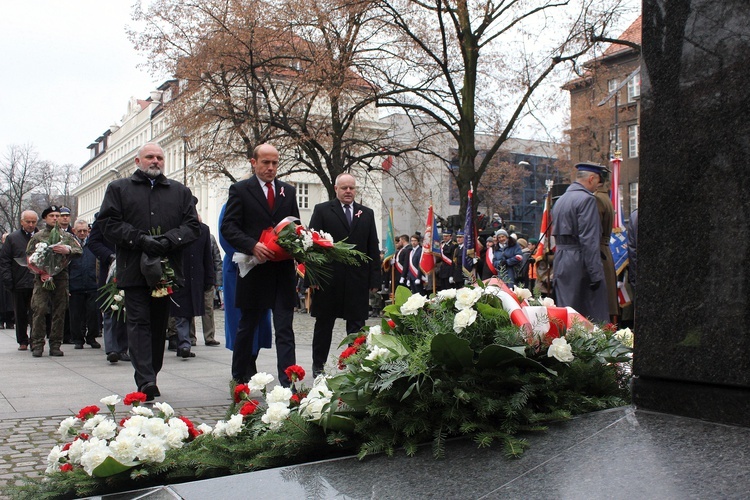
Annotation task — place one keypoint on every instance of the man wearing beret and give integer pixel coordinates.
(42, 298)
(578, 272)
(149, 219)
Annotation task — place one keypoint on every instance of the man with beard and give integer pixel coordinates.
(150, 219)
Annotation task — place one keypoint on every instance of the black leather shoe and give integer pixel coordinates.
(212, 343)
(78, 346)
(95, 345)
(172, 344)
(55, 351)
(150, 390)
(184, 352)
(113, 357)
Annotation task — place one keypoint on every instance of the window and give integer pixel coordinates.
(303, 194)
(633, 196)
(633, 141)
(611, 86)
(634, 88)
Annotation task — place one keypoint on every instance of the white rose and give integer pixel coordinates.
(374, 330)
(463, 319)
(413, 305)
(377, 353)
(279, 395)
(492, 290)
(467, 297)
(548, 302)
(275, 415)
(449, 293)
(625, 336)
(521, 293)
(66, 425)
(259, 381)
(560, 350)
(165, 409)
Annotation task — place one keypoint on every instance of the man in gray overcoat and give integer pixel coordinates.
(579, 274)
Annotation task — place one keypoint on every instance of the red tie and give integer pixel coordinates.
(270, 195)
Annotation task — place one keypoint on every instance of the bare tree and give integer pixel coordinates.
(18, 175)
(476, 65)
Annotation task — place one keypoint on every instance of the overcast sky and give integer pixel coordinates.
(68, 71)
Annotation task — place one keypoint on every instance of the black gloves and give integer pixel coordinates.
(594, 285)
(153, 247)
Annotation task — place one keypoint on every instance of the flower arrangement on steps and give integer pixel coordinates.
(451, 365)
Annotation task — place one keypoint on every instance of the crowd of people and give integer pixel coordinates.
(148, 234)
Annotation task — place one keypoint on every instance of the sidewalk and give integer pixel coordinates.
(37, 393)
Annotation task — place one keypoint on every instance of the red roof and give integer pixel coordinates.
(632, 34)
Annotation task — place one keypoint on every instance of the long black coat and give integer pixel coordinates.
(347, 294)
(15, 276)
(132, 207)
(246, 216)
(198, 268)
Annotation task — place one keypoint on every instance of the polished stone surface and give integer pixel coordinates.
(619, 454)
(693, 303)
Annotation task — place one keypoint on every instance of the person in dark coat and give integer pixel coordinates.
(347, 294)
(148, 218)
(578, 274)
(445, 268)
(401, 260)
(114, 329)
(508, 257)
(458, 269)
(188, 300)
(413, 277)
(84, 313)
(253, 205)
(17, 278)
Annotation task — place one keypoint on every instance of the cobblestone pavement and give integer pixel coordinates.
(197, 388)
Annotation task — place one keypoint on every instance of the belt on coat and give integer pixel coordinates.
(566, 239)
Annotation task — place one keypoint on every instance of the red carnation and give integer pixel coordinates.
(87, 412)
(122, 422)
(347, 352)
(66, 468)
(187, 422)
(610, 327)
(360, 340)
(391, 323)
(83, 436)
(295, 373)
(239, 390)
(134, 397)
(66, 447)
(297, 398)
(249, 407)
(320, 241)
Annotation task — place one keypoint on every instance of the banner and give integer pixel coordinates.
(546, 229)
(427, 259)
(470, 237)
(390, 243)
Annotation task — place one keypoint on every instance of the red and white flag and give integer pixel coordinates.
(427, 260)
(546, 229)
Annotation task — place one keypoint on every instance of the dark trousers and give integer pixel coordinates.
(147, 319)
(84, 317)
(322, 335)
(22, 309)
(243, 359)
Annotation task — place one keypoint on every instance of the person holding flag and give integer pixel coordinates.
(445, 268)
(468, 251)
(430, 250)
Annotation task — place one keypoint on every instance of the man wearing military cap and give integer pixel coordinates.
(578, 272)
(445, 265)
(64, 220)
(55, 301)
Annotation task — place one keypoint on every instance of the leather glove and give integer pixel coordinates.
(152, 247)
(594, 285)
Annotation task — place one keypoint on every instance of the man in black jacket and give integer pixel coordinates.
(260, 202)
(149, 219)
(346, 295)
(17, 278)
(84, 314)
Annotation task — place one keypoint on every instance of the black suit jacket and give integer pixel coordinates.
(346, 295)
(246, 216)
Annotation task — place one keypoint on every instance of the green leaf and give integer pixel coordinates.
(401, 296)
(489, 311)
(495, 355)
(448, 349)
(391, 343)
(110, 467)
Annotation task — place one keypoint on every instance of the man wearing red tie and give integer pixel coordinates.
(260, 202)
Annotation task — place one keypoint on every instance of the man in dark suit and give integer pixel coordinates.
(346, 295)
(253, 205)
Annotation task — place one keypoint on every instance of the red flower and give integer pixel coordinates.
(83, 436)
(134, 397)
(87, 412)
(122, 422)
(320, 241)
(66, 447)
(298, 230)
(295, 373)
(610, 327)
(297, 398)
(239, 390)
(347, 352)
(66, 468)
(187, 422)
(249, 407)
(359, 341)
(169, 290)
(391, 323)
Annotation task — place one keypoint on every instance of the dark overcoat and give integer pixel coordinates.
(577, 230)
(246, 216)
(346, 295)
(198, 269)
(16, 276)
(132, 207)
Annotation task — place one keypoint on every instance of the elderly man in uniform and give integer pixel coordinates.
(579, 274)
(42, 298)
(149, 218)
(346, 294)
